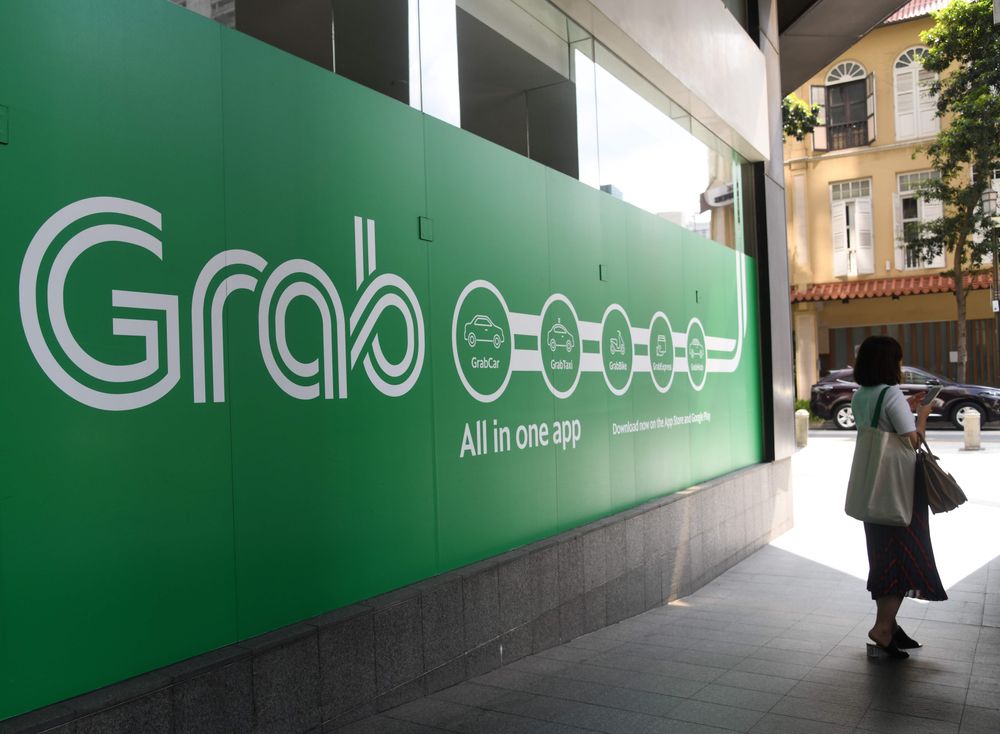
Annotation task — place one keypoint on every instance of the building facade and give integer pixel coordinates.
(852, 207)
(363, 347)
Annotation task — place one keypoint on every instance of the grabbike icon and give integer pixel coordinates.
(225, 273)
(555, 338)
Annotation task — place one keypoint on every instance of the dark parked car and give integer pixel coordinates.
(831, 397)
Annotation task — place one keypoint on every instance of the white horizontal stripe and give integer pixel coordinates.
(591, 363)
(525, 360)
(525, 323)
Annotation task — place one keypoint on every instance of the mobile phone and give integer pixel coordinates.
(931, 394)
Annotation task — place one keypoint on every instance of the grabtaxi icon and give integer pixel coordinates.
(231, 270)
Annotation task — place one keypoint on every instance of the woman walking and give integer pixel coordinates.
(900, 559)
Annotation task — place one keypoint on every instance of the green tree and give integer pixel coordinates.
(797, 117)
(964, 49)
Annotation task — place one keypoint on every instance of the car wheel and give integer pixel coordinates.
(552, 345)
(471, 338)
(843, 416)
(496, 341)
(962, 410)
(569, 346)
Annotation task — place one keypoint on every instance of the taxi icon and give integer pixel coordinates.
(559, 336)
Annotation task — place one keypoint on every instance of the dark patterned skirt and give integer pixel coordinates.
(901, 560)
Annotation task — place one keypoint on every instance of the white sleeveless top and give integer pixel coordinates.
(896, 414)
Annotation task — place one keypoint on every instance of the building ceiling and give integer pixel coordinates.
(815, 32)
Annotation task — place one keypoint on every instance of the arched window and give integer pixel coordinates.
(916, 107)
(845, 71)
(847, 108)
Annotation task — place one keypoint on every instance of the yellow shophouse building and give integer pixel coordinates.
(851, 206)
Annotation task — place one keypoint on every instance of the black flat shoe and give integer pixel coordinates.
(881, 652)
(902, 640)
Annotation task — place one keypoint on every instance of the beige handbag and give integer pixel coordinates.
(880, 490)
(943, 492)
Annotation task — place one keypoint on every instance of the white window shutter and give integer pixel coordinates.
(931, 209)
(865, 250)
(897, 228)
(838, 222)
(988, 260)
(872, 127)
(817, 96)
(906, 104)
(928, 123)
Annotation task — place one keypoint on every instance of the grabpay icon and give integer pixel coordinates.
(342, 342)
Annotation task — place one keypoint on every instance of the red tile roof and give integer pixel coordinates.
(915, 9)
(885, 287)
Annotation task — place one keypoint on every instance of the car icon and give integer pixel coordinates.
(482, 329)
(661, 345)
(695, 349)
(618, 344)
(559, 336)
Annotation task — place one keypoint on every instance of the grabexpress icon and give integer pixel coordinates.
(225, 273)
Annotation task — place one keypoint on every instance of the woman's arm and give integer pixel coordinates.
(922, 412)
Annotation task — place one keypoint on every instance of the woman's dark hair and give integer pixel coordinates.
(878, 362)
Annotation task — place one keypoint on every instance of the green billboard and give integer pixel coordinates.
(240, 389)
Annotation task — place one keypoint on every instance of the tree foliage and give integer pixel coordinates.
(798, 118)
(964, 50)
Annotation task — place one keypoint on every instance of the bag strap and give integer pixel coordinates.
(878, 408)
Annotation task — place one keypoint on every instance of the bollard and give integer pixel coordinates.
(971, 427)
(802, 427)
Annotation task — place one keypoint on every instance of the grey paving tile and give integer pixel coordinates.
(779, 655)
(777, 724)
(569, 654)
(755, 681)
(431, 711)
(977, 720)
(983, 699)
(660, 684)
(743, 698)
(883, 721)
(841, 712)
(780, 669)
(478, 721)
(714, 714)
(540, 664)
(477, 695)
(903, 702)
(827, 693)
(383, 724)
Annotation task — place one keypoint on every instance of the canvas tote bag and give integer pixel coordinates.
(880, 490)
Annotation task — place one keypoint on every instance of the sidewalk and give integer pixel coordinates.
(777, 643)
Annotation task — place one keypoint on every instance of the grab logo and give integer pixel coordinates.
(344, 340)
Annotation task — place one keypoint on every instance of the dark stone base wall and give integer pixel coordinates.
(328, 671)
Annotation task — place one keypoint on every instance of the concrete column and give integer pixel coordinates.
(806, 352)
